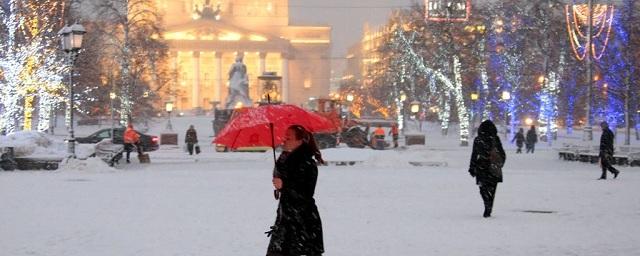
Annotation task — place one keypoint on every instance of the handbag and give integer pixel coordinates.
(496, 162)
(197, 148)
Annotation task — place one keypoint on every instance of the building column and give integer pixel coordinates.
(263, 63)
(218, 77)
(285, 77)
(195, 88)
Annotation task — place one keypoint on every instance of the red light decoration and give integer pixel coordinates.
(577, 16)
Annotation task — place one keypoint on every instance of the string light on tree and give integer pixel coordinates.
(452, 88)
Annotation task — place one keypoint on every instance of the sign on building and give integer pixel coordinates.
(447, 10)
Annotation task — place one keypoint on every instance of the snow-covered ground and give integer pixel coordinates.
(222, 203)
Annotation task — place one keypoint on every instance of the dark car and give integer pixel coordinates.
(148, 142)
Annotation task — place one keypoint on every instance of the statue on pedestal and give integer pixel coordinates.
(238, 85)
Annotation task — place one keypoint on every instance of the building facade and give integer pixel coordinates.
(205, 38)
(363, 57)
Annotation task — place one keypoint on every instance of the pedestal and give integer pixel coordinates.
(169, 139)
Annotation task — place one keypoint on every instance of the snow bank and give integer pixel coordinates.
(92, 164)
(398, 157)
(39, 144)
(26, 142)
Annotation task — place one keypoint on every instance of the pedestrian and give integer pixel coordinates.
(378, 135)
(394, 133)
(131, 141)
(606, 152)
(487, 159)
(532, 139)
(191, 139)
(298, 228)
(519, 139)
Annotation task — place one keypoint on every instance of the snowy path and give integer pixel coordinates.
(222, 204)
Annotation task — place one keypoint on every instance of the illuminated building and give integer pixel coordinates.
(205, 36)
(363, 58)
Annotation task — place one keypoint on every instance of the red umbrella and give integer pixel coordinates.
(249, 127)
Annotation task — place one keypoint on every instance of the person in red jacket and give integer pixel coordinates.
(131, 140)
(395, 134)
(378, 135)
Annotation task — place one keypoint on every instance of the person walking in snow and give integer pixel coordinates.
(131, 140)
(487, 159)
(298, 228)
(532, 139)
(606, 152)
(395, 134)
(519, 139)
(191, 139)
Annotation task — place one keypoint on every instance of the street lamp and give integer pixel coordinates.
(528, 121)
(415, 108)
(474, 97)
(350, 99)
(506, 95)
(112, 96)
(169, 107)
(71, 43)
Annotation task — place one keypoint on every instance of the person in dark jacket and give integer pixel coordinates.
(298, 228)
(487, 159)
(532, 139)
(191, 139)
(606, 152)
(519, 139)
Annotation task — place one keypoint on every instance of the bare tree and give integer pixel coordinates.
(132, 33)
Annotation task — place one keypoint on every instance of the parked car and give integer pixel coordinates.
(148, 142)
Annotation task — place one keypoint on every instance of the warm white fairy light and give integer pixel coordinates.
(12, 57)
(485, 83)
(452, 88)
(30, 67)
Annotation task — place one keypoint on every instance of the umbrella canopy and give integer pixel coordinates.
(249, 127)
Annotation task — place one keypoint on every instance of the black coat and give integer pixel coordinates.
(480, 165)
(532, 137)
(606, 142)
(519, 139)
(191, 137)
(298, 228)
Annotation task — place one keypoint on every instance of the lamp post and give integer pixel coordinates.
(112, 96)
(474, 98)
(169, 108)
(505, 97)
(71, 43)
(415, 108)
(350, 99)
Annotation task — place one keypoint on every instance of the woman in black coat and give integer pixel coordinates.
(298, 229)
(532, 139)
(487, 159)
(191, 139)
(519, 139)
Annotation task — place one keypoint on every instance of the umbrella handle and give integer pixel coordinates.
(276, 193)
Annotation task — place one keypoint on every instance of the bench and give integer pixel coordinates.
(625, 155)
(429, 163)
(38, 163)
